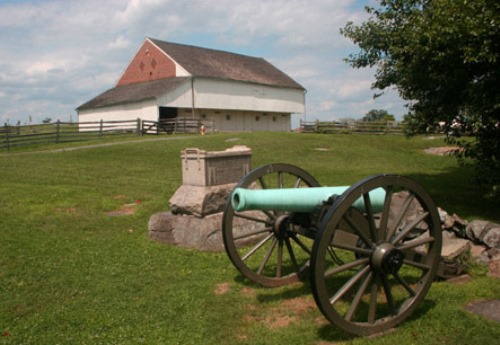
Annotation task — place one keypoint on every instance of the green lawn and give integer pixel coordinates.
(71, 274)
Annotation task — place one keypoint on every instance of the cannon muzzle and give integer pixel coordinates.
(296, 199)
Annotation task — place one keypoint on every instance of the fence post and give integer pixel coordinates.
(101, 125)
(7, 136)
(58, 124)
(139, 127)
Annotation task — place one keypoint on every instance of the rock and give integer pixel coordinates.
(493, 253)
(442, 214)
(474, 230)
(200, 233)
(454, 247)
(477, 250)
(491, 236)
(200, 201)
(481, 231)
(187, 231)
(160, 227)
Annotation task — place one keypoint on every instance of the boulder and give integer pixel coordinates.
(199, 233)
(200, 201)
(484, 232)
(454, 247)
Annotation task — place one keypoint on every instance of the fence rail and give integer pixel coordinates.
(361, 127)
(64, 132)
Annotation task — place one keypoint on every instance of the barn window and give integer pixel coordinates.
(203, 116)
(257, 118)
(228, 117)
(274, 118)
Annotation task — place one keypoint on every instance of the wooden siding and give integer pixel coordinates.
(146, 110)
(217, 94)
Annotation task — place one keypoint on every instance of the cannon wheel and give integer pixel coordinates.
(389, 258)
(262, 244)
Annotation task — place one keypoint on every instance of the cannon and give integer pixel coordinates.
(370, 250)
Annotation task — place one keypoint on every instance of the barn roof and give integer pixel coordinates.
(203, 62)
(199, 62)
(134, 92)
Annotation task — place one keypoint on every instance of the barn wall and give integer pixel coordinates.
(150, 63)
(217, 94)
(244, 121)
(181, 97)
(146, 110)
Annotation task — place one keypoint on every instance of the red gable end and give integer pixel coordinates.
(148, 64)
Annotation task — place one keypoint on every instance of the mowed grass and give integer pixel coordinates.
(71, 274)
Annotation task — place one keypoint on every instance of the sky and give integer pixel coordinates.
(57, 54)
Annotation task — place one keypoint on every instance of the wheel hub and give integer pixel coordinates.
(281, 226)
(387, 259)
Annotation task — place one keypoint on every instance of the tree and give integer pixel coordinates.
(47, 120)
(443, 57)
(378, 115)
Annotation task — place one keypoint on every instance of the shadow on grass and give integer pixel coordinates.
(454, 191)
(331, 333)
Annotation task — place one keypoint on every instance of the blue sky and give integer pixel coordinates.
(57, 54)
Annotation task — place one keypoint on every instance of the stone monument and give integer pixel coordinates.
(195, 215)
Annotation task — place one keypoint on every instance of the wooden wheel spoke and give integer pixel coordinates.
(371, 218)
(372, 309)
(358, 250)
(415, 264)
(279, 264)
(349, 284)
(410, 227)
(254, 219)
(292, 255)
(301, 245)
(280, 179)
(359, 295)
(405, 284)
(257, 246)
(297, 183)
(267, 256)
(400, 216)
(345, 267)
(262, 182)
(416, 243)
(360, 233)
(267, 229)
(384, 218)
(388, 294)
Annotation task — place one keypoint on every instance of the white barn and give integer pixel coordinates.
(168, 80)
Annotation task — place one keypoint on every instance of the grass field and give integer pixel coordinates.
(71, 274)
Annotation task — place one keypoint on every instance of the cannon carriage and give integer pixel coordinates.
(370, 250)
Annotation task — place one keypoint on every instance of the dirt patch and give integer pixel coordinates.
(494, 269)
(222, 289)
(443, 150)
(489, 309)
(124, 210)
(248, 292)
(286, 313)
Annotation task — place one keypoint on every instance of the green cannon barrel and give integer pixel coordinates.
(296, 199)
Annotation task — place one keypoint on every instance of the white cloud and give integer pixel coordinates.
(57, 54)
